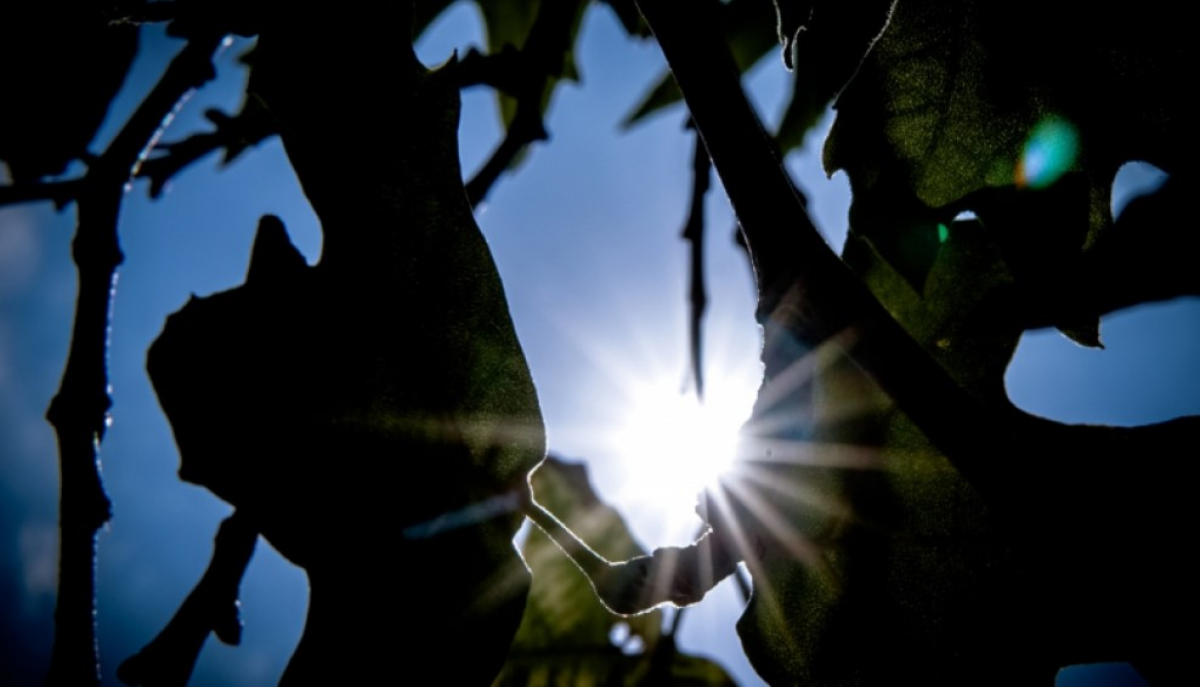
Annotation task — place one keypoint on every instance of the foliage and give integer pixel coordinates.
(566, 636)
(900, 518)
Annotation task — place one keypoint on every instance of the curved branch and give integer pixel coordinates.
(79, 412)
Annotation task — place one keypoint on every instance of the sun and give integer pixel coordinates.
(674, 444)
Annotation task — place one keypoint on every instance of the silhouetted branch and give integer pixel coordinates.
(142, 12)
(169, 659)
(804, 288)
(248, 128)
(540, 62)
(79, 411)
(507, 71)
(1070, 491)
(59, 192)
(525, 128)
(503, 71)
(693, 232)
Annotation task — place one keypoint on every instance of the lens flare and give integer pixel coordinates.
(1049, 152)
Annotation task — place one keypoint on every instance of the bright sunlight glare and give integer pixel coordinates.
(675, 445)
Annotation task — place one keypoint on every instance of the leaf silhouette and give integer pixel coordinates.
(372, 415)
(976, 106)
(879, 559)
(876, 557)
(823, 43)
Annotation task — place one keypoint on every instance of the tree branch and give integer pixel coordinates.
(79, 412)
(141, 12)
(1072, 494)
(693, 232)
(170, 658)
(508, 71)
(804, 288)
(59, 192)
(1100, 511)
(541, 63)
(248, 128)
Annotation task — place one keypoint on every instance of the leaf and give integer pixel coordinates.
(823, 43)
(571, 614)
(63, 70)
(965, 329)
(372, 415)
(879, 562)
(1150, 252)
(566, 636)
(959, 99)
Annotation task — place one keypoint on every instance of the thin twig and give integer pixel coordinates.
(525, 128)
(505, 71)
(59, 192)
(142, 12)
(248, 128)
(79, 412)
(693, 232)
(541, 62)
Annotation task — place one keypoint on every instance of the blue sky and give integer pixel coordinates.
(585, 235)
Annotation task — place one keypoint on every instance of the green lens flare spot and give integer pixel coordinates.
(943, 233)
(1049, 152)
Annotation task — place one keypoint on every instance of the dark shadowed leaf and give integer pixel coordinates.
(372, 415)
(879, 560)
(959, 99)
(1150, 253)
(823, 44)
